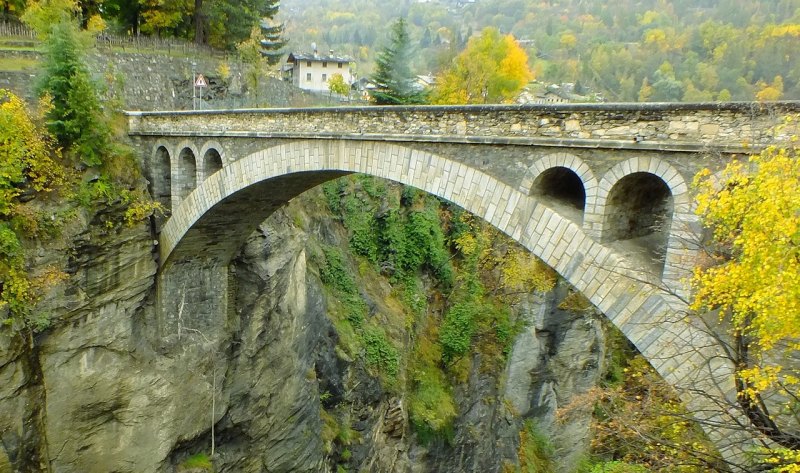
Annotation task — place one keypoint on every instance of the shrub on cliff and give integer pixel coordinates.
(30, 165)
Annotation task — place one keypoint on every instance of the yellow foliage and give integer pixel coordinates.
(224, 70)
(645, 91)
(42, 15)
(140, 209)
(770, 92)
(523, 272)
(656, 37)
(96, 25)
(337, 85)
(754, 211)
(784, 31)
(784, 460)
(29, 159)
(29, 152)
(492, 69)
(568, 40)
(643, 422)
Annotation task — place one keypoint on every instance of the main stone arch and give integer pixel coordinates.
(216, 218)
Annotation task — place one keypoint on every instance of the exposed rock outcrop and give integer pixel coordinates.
(115, 386)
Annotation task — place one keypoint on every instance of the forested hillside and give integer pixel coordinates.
(628, 50)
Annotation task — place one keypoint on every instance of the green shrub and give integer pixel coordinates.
(373, 187)
(360, 220)
(334, 273)
(379, 352)
(333, 191)
(407, 196)
(413, 296)
(431, 405)
(457, 330)
(10, 248)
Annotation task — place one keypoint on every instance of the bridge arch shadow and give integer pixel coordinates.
(643, 208)
(214, 220)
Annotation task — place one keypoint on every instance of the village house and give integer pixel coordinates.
(313, 71)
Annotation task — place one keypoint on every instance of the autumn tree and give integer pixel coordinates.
(337, 85)
(771, 91)
(492, 69)
(393, 76)
(753, 210)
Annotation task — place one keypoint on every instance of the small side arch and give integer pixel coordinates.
(212, 159)
(660, 193)
(159, 176)
(564, 178)
(184, 171)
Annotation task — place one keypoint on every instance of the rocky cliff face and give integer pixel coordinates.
(108, 388)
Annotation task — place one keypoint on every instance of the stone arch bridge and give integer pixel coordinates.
(600, 192)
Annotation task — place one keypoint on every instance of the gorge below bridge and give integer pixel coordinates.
(600, 192)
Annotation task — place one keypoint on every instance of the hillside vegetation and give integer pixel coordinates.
(643, 50)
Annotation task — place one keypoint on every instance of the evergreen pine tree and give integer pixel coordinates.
(273, 42)
(76, 118)
(393, 76)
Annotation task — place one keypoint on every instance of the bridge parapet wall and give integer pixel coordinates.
(730, 127)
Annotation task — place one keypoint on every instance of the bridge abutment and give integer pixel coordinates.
(191, 302)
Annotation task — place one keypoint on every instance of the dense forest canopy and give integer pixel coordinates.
(656, 50)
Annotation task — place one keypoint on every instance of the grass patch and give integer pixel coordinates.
(198, 461)
(16, 64)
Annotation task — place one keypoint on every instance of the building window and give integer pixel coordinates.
(308, 77)
(324, 64)
(340, 65)
(308, 63)
(324, 77)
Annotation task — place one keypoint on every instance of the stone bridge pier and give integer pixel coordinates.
(601, 193)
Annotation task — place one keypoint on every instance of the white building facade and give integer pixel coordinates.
(313, 71)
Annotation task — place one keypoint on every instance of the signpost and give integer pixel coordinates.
(199, 83)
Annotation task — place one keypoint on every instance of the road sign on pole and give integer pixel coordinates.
(200, 81)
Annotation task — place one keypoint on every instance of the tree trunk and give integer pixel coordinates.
(199, 33)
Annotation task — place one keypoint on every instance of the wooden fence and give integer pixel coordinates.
(105, 41)
(15, 30)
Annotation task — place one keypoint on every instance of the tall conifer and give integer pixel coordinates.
(273, 41)
(393, 76)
